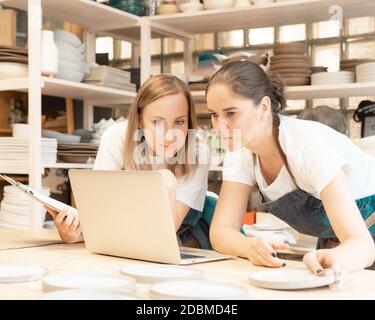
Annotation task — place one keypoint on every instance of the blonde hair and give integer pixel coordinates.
(155, 88)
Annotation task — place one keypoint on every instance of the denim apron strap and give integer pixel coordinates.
(370, 221)
(195, 229)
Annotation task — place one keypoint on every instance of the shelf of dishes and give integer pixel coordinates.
(211, 16)
(92, 16)
(223, 15)
(63, 88)
(317, 91)
(24, 170)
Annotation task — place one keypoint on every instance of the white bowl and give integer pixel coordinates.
(20, 130)
(218, 4)
(242, 3)
(71, 66)
(67, 37)
(191, 7)
(71, 57)
(13, 70)
(63, 46)
(75, 76)
(260, 2)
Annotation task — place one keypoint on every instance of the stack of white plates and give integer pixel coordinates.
(101, 127)
(340, 77)
(13, 70)
(110, 77)
(72, 64)
(197, 290)
(150, 273)
(14, 154)
(15, 209)
(366, 72)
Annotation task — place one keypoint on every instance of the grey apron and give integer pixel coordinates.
(307, 215)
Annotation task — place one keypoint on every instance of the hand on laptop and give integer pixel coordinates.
(67, 224)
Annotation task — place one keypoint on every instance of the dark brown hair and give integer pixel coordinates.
(248, 80)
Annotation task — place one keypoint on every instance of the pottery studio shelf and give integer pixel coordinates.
(25, 170)
(266, 15)
(92, 16)
(317, 92)
(60, 165)
(99, 95)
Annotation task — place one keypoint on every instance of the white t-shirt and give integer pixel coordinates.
(190, 191)
(315, 154)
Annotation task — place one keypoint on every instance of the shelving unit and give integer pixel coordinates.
(100, 19)
(76, 90)
(95, 19)
(257, 16)
(317, 92)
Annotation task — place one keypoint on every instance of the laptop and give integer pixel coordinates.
(128, 214)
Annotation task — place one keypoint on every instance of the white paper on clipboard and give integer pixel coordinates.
(47, 201)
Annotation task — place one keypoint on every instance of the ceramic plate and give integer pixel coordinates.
(290, 279)
(10, 273)
(78, 294)
(157, 273)
(88, 281)
(197, 290)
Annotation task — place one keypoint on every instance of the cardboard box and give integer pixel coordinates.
(8, 27)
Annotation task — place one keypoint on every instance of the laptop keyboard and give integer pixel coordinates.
(185, 256)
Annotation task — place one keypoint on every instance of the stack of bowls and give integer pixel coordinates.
(326, 78)
(218, 4)
(72, 64)
(366, 72)
(16, 210)
(351, 64)
(291, 63)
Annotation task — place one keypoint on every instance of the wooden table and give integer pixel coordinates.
(61, 258)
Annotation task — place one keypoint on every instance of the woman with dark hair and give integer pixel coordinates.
(309, 175)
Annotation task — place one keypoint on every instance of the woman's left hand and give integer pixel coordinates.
(319, 260)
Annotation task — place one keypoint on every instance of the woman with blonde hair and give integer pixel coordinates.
(159, 134)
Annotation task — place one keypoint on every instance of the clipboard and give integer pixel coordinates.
(47, 201)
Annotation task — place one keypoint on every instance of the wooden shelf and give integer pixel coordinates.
(317, 92)
(61, 165)
(267, 15)
(24, 170)
(331, 91)
(92, 16)
(76, 90)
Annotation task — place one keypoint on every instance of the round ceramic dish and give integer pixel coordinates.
(78, 294)
(158, 273)
(88, 281)
(10, 273)
(290, 279)
(197, 290)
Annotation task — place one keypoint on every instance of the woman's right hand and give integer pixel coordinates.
(67, 224)
(262, 252)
